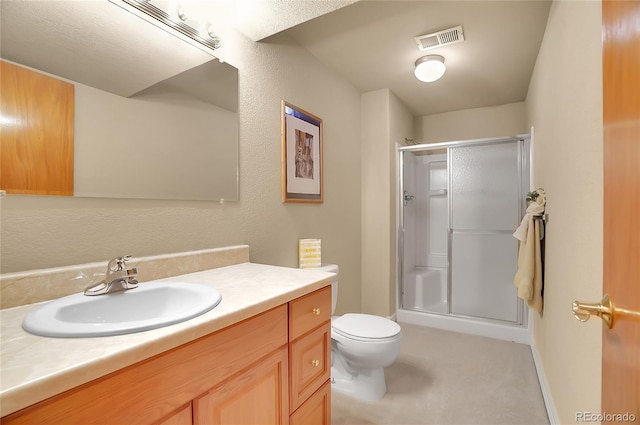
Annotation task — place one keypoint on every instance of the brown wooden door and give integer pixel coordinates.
(36, 149)
(621, 114)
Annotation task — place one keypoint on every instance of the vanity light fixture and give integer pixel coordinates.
(181, 14)
(176, 20)
(430, 68)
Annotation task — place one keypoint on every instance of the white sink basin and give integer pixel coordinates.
(151, 305)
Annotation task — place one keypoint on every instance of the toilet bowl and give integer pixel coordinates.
(362, 345)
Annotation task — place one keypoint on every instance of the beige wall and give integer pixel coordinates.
(385, 122)
(401, 123)
(376, 187)
(564, 105)
(469, 124)
(40, 232)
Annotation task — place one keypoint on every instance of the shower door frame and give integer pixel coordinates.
(524, 172)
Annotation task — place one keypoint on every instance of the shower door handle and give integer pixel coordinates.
(605, 310)
(408, 197)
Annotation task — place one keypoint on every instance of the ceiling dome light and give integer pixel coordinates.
(430, 68)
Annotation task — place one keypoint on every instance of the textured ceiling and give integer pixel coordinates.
(92, 42)
(371, 43)
(258, 19)
(97, 43)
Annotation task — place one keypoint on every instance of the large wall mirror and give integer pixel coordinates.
(154, 117)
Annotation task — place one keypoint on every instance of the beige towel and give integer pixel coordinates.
(528, 278)
(533, 209)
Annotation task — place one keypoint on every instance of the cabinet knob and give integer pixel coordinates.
(315, 363)
(316, 311)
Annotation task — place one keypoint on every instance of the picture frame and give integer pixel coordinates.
(302, 156)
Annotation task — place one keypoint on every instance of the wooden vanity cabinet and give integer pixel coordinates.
(182, 416)
(254, 371)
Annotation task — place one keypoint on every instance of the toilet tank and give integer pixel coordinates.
(332, 268)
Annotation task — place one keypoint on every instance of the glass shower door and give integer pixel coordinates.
(485, 190)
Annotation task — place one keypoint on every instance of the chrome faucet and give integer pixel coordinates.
(118, 278)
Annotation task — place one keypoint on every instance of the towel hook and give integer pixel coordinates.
(544, 218)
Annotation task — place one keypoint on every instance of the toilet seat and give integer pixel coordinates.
(365, 327)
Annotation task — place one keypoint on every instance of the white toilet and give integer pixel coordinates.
(362, 345)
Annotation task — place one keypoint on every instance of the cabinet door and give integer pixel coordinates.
(258, 395)
(180, 417)
(316, 410)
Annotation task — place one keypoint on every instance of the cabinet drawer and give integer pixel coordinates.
(310, 364)
(309, 312)
(316, 410)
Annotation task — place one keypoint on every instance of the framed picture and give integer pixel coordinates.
(302, 170)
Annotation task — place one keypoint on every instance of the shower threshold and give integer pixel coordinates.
(487, 328)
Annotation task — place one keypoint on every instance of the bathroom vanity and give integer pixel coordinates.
(261, 356)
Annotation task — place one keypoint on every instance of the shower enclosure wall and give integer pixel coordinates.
(460, 204)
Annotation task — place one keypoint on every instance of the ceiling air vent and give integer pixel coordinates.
(440, 38)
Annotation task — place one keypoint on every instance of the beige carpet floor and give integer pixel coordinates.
(446, 377)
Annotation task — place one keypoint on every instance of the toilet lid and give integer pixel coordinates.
(365, 326)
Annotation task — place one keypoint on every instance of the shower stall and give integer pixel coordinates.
(460, 203)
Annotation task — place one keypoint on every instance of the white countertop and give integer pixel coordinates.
(33, 368)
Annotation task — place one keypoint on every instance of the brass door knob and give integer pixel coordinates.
(316, 311)
(315, 363)
(605, 310)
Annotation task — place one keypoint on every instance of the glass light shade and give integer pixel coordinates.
(430, 68)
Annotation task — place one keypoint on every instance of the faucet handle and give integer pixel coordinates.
(118, 278)
(118, 263)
